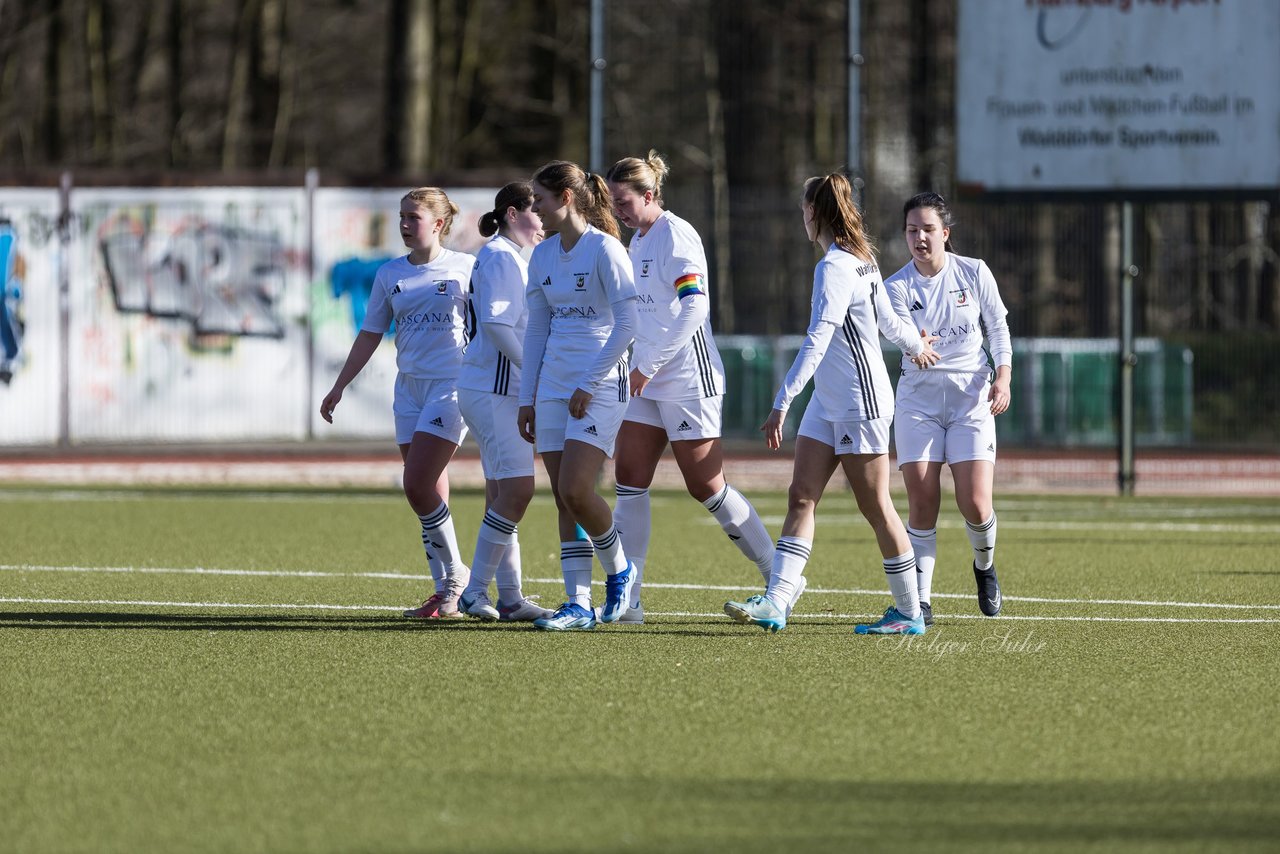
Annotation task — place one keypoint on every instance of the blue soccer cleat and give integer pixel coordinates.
(757, 610)
(617, 594)
(568, 618)
(893, 623)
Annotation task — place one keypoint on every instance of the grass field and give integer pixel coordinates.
(228, 671)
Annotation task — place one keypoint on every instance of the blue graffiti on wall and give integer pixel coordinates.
(224, 280)
(11, 324)
(354, 277)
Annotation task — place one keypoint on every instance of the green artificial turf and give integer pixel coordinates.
(160, 711)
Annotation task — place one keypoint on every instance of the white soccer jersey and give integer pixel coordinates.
(428, 303)
(498, 283)
(955, 305)
(574, 293)
(850, 380)
(669, 266)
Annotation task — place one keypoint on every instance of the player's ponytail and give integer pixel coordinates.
(939, 206)
(599, 207)
(517, 194)
(835, 213)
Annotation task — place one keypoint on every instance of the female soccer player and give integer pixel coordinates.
(425, 294)
(947, 414)
(847, 421)
(677, 378)
(573, 388)
(487, 389)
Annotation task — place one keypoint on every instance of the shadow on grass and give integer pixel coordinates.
(100, 620)
(117, 620)
(832, 815)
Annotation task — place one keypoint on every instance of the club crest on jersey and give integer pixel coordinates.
(581, 281)
(962, 296)
(442, 286)
(644, 268)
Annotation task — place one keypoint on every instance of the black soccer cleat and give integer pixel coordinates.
(926, 611)
(989, 600)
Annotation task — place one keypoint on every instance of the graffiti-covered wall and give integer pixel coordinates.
(30, 353)
(209, 314)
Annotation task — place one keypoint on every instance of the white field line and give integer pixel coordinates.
(724, 588)
(144, 603)
(1049, 525)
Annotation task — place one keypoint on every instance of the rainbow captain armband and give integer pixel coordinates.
(690, 285)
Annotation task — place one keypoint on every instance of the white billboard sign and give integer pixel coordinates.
(1118, 95)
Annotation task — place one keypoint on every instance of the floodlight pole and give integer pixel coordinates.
(595, 152)
(853, 145)
(1128, 357)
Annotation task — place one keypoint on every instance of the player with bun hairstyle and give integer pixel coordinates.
(677, 377)
(425, 294)
(947, 414)
(847, 421)
(487, 396)
(573, 386)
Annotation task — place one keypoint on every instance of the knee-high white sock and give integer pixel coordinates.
(983, 539)
(435, 565)
(609, 549)
(925, 546)
(510, 591)
(575, 564)
(438, 535)
(901, 572)
(495, 537)
(789, 560)
(742, 524)
(631, 516)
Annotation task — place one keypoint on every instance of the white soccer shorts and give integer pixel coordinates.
(944, 417)
(427, 406)
(682, 419)
(598, 427)
(846, 437)
(491, 418)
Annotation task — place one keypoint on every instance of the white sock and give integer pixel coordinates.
(438, 535)
(609, 550)
(575, 564)
(742, 524)
(925, 546)
(983, 539)
(631, 516)
(435, 565)
(495, 537)
(901, 571)
(789, 560)
(509, 588)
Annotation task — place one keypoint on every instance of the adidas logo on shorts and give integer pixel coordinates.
(845, 440)
(916, 306)
(437, 422)
(991, 447)
(684, 427)
(591, 431)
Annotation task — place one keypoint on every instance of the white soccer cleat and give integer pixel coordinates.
(523, 611)
(478, 605)
(633, 616)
